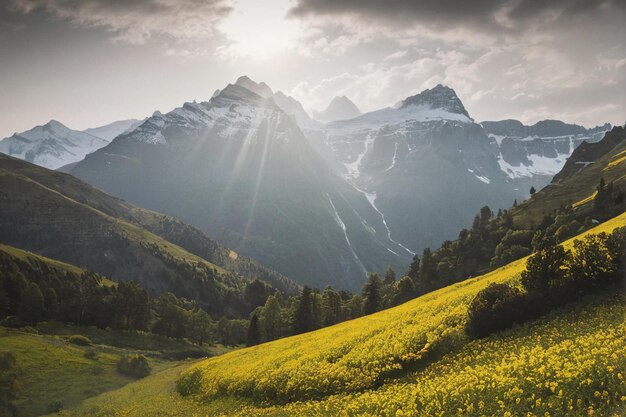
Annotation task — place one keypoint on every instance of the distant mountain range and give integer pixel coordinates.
(54, 145)
(322, 203)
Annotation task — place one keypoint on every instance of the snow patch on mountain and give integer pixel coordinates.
(371, 198)
(234, 110)
(343, 227)
(353, 169)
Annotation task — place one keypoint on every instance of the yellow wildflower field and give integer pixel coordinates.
(411, 360)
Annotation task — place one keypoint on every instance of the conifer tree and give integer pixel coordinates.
(303, 320)
(254, 335)
(331, 307)
(390, 276)
(372, 299)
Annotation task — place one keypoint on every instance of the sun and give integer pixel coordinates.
(259, 29)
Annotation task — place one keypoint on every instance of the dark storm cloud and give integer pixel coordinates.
(135, 21)
(483, 14)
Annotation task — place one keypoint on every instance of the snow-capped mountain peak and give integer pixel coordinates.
(236, 108)
(51, 145)
(261, 88)
(438, 97)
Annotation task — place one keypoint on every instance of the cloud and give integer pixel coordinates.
(396, 55)
(486, 15)
(136, 21)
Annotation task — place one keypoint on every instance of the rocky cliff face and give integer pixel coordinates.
(539, 150)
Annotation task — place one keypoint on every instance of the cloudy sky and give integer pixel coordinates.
(90, 62)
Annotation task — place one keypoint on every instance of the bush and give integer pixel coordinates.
(13, 322)
(495, 308)
(545, 269)
(134, 365)
(189, 383)
(591, 264)
(91, 354)
(80, 340)
(54, 406)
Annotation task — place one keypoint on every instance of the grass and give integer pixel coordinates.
(615, 162)
(53, 370)
(149, 344)
(413, 359)
(29, 256)
(585, 200)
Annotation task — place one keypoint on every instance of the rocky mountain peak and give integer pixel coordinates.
(438, 97)
(339, 108)
(261, 88)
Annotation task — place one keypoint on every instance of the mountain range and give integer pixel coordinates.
(322, 203)
(54, 145)
(240, 169)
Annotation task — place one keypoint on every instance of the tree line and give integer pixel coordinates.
(553, 277)
(32, 291)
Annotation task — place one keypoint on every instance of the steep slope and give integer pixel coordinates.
(532, 155)
(56, 215)
(589, 152)
(339, 108)
(425, 166)
(240, 169)
(413, 359)
(577, 183)
(109, 131)
(51, 145)
(292, 107)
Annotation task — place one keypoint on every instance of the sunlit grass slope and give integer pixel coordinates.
(414, 359)
(355, 355)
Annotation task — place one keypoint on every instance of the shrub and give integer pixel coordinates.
(54, 406)
(591, 263)
(80, 340)
(495, 308)
(189, 383)
(545, 269)
(13, 322)
(134, 365)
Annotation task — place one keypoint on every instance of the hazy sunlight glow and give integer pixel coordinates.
(258, 29)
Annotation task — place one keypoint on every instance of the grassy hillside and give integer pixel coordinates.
(413, 359)
(110, 237)
(54, 372)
